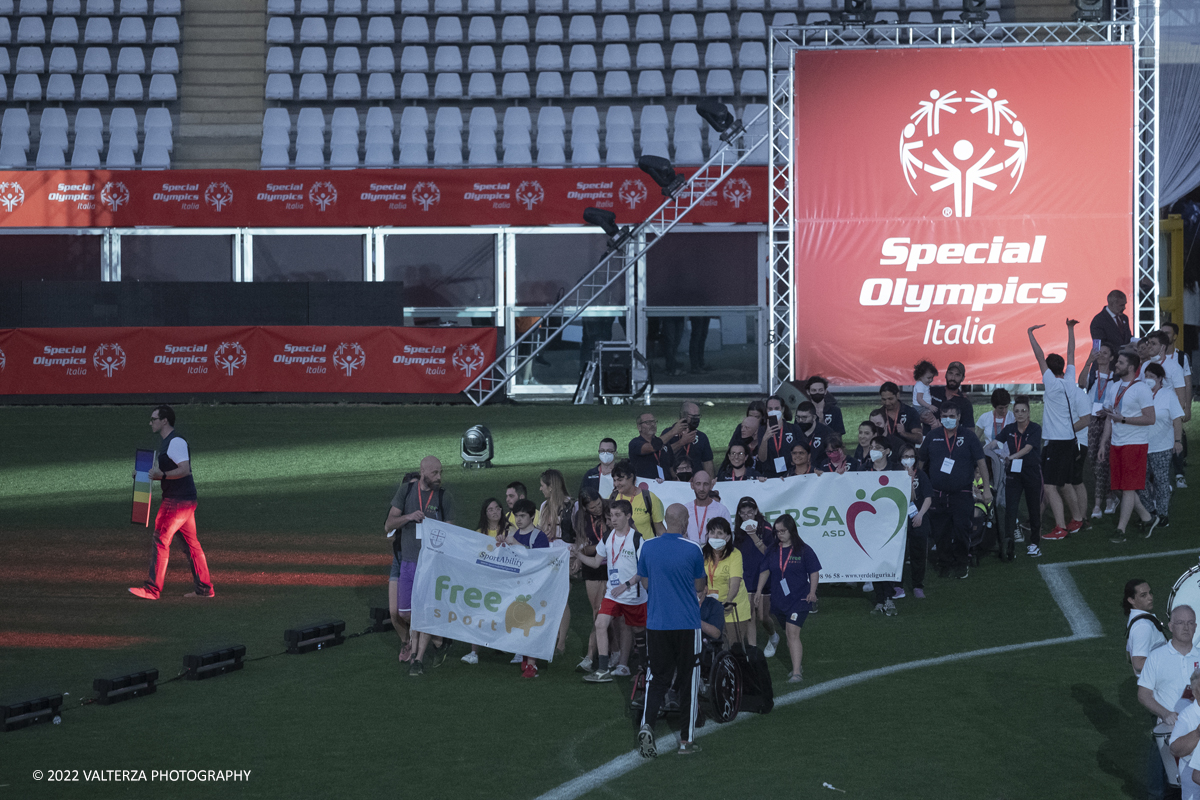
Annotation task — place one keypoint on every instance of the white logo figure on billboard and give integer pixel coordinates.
(218, 195)
(109, 357)
(632, 193)
(114, 195)
(737, 191)
(349, 357)
(963, 152)
(323, 194)
(11, 195)
(427, 194)
(529, 194)
(468, 358)
(230, 356)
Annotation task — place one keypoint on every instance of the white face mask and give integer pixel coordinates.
(908, 462)
(717, 544)
(876, 455)
(606, 457)
(949, 423)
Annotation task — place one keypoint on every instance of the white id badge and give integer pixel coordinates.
(780, 465)
(661, 476)
(1097, 408)
(614, 578)
(912, 510)
(948, 466)
(1016, 464)
(420, 530)
(783, 585)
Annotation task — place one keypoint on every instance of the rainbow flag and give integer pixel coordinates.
(143, 460)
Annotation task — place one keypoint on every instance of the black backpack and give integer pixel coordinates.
(758, 695)
(407, 482)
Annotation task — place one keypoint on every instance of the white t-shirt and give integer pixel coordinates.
(698, 517)
(1100, 390)
(1174, 379)
(1134, 397)
(921, 392)
(1144, 638)
(1166, 410)
(1187, 721)
(1058, 406)
(990, 426)
(1167, 672)
(606, 485)
(177, 450)
(622, 564)
(1082, 406)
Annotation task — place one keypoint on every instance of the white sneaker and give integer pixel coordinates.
(772, 643)
(585, 664)
(1111, 507)
(878, 609)
(1097, 513)
(621, 671)
(1033, 551)
(515, 660)
(868, 587)
(899, 593)
(1180, 482)
(889, 608)
(471, 658)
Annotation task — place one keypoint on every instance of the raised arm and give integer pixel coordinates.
(1037, 349)
(1071, 323)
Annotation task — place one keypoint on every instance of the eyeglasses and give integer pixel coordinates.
(648, 422)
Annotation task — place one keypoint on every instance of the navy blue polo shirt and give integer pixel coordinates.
(963, 447)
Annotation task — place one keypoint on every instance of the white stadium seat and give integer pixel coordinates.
(94, 87)
(346, 30)
(132, 60)
(347, 59)
(279, 87)
(381, 59)
(313, 59)
(60, 88)
(380, 30)
(129, 87)
(165, 31)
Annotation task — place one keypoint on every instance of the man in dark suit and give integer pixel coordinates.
(1111, 325)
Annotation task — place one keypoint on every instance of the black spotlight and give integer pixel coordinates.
(478, 449)
(126, 687)
(201, 666)
(30, 712)
(857, 10)
(607, 221)
(1089, 10)
(719, 118)
(661, 172)
(314, 637)
(976, 10)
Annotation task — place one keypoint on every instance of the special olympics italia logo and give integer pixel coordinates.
(468, 358)
(349, 357)
(218, 195)
(529, 194)
(109, 358)
(11, 195)
(114, 195)
(737, 191)
(230, 356)
(323, 194)
(985, 147)
(427, 193)
(632, 193)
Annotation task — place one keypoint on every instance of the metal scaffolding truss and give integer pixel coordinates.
(1135, 27)
(633, 246)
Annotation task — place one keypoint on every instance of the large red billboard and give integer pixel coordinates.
(306, 358)
(948, 199)
(360, 197)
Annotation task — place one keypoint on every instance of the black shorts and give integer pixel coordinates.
(593, 573)
(1077, 466)
(1058, 461)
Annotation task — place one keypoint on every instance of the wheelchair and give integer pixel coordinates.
(720, 691)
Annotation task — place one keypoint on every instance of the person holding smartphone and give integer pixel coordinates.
(778, 438)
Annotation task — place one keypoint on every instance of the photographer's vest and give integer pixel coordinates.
(175, 488)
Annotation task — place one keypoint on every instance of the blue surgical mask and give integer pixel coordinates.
(949, 423)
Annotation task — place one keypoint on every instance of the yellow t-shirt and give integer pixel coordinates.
(512, 521)
(718, 581)
(488, 532)
(644, 518)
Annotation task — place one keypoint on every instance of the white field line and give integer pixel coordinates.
(1084, 625)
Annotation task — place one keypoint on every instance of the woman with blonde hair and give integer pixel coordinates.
(555, 518)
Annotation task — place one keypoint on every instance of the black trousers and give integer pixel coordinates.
(950, 519)
(917, 551)
(671, 651)
(1029, 484)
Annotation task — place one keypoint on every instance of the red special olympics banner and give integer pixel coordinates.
(960, 196)
(360, 197)
(246, 359)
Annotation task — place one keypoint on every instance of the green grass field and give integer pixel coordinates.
(292, 499)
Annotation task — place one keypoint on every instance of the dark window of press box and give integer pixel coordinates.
(550, 265)
(308, 258)
(443, 271)
(703, 269)
(51, 257)
(176, 258)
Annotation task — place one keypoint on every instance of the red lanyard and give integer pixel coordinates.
(733, 474)
(712, 573)
(778, 440)
(700, 525)
(615, 552)
(1120, 394)
(783, 560)
(895, 423)
(421, 504)
(592, 527)
(997, 425)
(1018, 441)
(949, 439)
(1103, 381)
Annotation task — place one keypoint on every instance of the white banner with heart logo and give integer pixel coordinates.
(505, 598)
(856, 523)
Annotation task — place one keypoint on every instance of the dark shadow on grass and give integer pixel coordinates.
(1124, 750)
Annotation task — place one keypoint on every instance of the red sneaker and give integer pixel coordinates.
(138, 591)
(1074, 526)
(1057, 533)
(528, 670)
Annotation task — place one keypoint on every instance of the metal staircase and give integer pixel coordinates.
(625, 250)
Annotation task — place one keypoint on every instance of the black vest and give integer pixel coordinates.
(177, 488)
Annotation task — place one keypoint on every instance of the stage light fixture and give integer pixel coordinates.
(126, 687)
(1089, 10)
(607, 222)
(856, 10)
(478, 448)
(314, 637)
(661, 172)
(31, 712)
(974, 10)
(381, 620)
(218, 662)
(719, 118)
